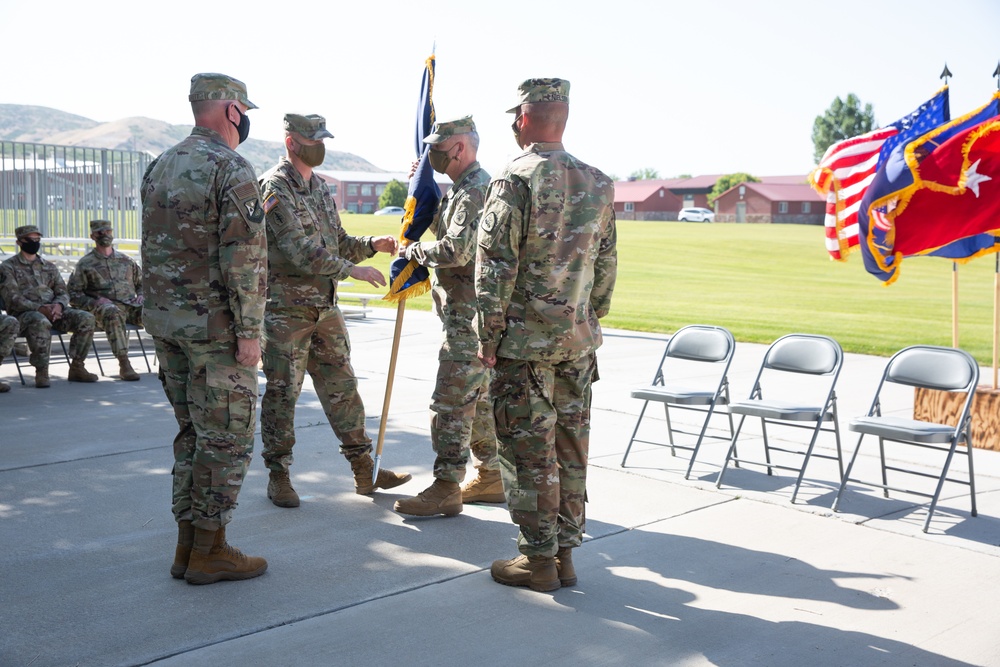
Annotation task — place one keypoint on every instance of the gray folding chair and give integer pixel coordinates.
(129, 328)
(17, 362)
(804, 368)
(691, 348)
(930, 367)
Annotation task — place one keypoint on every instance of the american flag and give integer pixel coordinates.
(848, 167)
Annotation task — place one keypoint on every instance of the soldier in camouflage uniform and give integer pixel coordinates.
(108, 284)
(546, 269)
(9, 327)
(462, 415)
(204, 265)
(308, 253)
(34, 292)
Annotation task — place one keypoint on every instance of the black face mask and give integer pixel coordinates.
(30, 247)
(243, 129)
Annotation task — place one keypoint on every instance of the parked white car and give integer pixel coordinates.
(696, 215)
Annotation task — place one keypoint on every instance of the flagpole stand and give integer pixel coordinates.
(943, 407)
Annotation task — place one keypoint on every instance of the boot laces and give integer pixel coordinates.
(233, 552)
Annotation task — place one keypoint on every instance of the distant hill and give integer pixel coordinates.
(22, 122)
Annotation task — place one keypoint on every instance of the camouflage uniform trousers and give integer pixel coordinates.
(9, 327)
(543, 427)
(111, 318)
(37, 330)
(462, 419)
(215, 404)
(307, 338)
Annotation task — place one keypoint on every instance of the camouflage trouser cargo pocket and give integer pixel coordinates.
(231, 397)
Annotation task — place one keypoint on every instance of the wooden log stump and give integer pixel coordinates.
(943, 407)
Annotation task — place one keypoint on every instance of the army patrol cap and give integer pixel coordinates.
(447, 129)
(312, 126)
(534, 91)
(21, 232)
(99, 225)
(212, 86)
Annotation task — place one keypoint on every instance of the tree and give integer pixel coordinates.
(728, 181)
(393, 195)
(644, 174)
(843, 120)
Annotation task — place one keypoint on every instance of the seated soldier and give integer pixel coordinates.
(108, 284)
(35, 293)
(8, 332)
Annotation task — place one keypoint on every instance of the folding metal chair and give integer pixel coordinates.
(129, 328)
(691, 348)
(803, 368)
(929, 367)
(17, 361)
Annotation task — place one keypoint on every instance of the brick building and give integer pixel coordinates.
(358, 191)
(771, 202)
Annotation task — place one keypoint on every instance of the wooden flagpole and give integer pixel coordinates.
(388, 387)
(996, 313)
(954, 304)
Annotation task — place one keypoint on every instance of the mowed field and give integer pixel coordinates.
(764, 281)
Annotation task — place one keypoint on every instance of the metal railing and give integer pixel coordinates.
(62, 188)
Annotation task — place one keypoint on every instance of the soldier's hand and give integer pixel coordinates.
(248, 352)
(489, 362)
(413, 168)
(46, 310)
(57, 312)
(369, 274)
(384, 244)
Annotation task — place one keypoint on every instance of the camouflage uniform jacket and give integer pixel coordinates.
(452, 257)
(204, 251)
(26, 286)
(308, 249)
(547, 257)
(116, 277)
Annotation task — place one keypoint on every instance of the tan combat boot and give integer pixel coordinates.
(487, 487)
(564, 566)
(212, 560)
(441, 497)
(42, 378)
(536, 572)
(387, 479)
(280, 491)
(78, 373)
(185, 538)
(125, 369)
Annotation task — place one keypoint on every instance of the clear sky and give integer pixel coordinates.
(695, 87)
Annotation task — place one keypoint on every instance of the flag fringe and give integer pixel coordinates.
(398, 293)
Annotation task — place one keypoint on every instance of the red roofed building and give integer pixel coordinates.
(645, 200)
(774, 201)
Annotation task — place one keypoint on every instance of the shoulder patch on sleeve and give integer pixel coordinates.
(270, 202)
(247, 200)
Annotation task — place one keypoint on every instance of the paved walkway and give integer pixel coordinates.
(674, 571)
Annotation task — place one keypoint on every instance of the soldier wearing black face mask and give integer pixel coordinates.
(34, 292)
(204, 281)
(308, 253)
(108, 284)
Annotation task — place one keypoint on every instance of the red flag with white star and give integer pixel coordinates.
(957, 192)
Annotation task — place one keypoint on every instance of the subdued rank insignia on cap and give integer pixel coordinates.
(270, 202)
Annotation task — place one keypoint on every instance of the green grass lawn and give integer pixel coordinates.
(763, 281)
